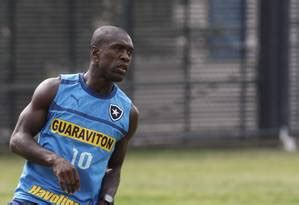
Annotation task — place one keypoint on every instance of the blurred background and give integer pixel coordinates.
(205, 73)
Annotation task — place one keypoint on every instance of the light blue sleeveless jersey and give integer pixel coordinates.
(82, 127)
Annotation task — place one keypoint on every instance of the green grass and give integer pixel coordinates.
(10, 169)
(205, 177)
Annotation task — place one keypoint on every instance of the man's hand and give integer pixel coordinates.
(67, 175)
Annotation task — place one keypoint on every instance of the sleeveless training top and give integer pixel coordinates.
(82, 127)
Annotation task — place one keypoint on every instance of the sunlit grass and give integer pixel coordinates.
(210, 178)
(193, 177)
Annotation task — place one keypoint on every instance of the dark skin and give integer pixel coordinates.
(110, 54)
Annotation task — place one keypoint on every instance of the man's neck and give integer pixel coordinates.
(98, 83)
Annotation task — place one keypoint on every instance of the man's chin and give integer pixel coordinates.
(117, 79)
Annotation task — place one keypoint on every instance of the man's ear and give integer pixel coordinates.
(95, 53)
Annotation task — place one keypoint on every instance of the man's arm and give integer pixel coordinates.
(30, 122)
(112, 177)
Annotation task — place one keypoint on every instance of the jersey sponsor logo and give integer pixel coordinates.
(51, 197)
(115, 112)
(82, 134)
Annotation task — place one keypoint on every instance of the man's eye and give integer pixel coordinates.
(130, 52)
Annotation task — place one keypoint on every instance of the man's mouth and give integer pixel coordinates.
(122, 69)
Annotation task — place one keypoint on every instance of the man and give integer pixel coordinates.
(84, 123)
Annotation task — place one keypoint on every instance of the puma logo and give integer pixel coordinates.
(77, 100)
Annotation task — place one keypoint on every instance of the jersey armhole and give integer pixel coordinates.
(56, 94)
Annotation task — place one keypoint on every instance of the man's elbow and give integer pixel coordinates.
(14, 143)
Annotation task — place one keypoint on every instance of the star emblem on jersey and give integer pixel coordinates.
(115, 112)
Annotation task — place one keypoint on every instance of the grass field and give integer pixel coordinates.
(195, 177)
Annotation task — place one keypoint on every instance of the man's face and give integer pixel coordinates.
(115, 57)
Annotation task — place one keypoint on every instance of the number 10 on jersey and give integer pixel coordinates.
(84, 159)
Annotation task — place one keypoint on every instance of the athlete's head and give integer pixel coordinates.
(111, 52)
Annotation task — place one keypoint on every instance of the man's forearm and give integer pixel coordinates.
(110, 182)
(24, 145)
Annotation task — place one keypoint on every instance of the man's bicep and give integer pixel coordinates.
(134, 116)
(33, 117)
(118, 154)
(31, 120)
(121, 146)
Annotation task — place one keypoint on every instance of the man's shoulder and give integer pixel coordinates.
(51, 82)
(49, 85)
(45, 92)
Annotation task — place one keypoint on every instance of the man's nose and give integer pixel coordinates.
(125, 56)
